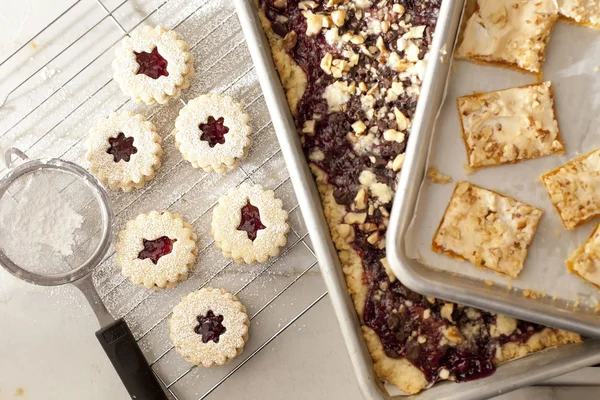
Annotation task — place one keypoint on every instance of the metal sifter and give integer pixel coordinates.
(73, 262)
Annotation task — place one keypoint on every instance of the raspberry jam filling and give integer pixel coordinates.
(151, 64)
(408, 324)
(155, 249)
(213, 131)
(121, 148)
(210, 327)
(250, 222)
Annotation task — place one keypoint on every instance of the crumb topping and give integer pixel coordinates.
(581, 11)
(585, 261)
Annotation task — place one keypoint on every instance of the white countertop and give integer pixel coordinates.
(47, 345)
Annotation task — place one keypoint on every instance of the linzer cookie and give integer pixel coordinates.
(212, 133)
(249, 224)
(509, 125)
(574, 189)
(157, 249)
(509, 32)
(124, 151)
(209, 327)
(153, 65)
(488, 229)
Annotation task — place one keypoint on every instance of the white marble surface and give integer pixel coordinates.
(47, 346)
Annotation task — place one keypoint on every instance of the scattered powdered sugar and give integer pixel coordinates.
(47, 73)
(42, 222)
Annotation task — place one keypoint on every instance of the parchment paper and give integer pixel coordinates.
(573, 66)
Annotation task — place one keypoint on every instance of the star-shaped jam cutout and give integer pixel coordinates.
(121, 147)
(210, 327)
(250, 222)
(213, 131)
(155, 249)
(151, 64)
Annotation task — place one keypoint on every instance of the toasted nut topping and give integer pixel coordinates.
(355, 218)
(343, 230)
(338, 17)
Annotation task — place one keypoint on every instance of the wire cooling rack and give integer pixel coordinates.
(63, 90)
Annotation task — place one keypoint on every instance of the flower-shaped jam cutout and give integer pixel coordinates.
(250, 222)
(155, 249)
(210, 327)
(214, 131)
(151, 64)
(121, 147)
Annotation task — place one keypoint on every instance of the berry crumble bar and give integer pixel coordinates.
(352, 72)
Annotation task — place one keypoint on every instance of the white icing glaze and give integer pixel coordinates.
(171, 47)
(488, 229)
(514, 32)
(189, 343)
(170, 268)
(222, 157)
(125, 175)
(573, 189)
(509, 125)
(235, 243)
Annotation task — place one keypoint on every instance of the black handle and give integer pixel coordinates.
(129, 362)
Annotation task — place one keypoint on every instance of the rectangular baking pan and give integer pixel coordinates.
(516, 374)
(552, 311)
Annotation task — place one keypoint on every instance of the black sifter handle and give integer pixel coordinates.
(129, 362)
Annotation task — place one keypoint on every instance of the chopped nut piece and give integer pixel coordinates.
(373, 238)
(307, 5)
(401, 119)
(290, 40)
(398, 9)
(393, 135)
(343, 230)
(314, 22)
(360, 201)
(338, 17)
(398, 161)
(359, 127)
(355, 218)
(446, 311)
(452, 333)
(280, 3)
(309, 127)
(326, 62)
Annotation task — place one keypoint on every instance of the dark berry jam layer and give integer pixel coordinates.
(408, 324)
(210, 327)
(152, 64)
(121, 147)
(250, 221)
(213, 131)
(155, 249)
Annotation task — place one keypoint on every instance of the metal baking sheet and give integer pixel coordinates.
(560, 299)
(519, 373)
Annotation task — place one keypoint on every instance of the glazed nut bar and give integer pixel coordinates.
(352, 71)
(488, 229)
(512, 33)
(509, 125)
(585, 261)
(574, 189)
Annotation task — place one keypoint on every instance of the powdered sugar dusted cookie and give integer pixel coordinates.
(249, 224)
(153, 65)
(209, 327)
(212, 133)
(124, 150)
(157, 249)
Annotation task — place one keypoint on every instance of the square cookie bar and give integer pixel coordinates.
(509, 125)
(585, 261)
(585, 12)
(487, 228)
(509, 32)
(574, 189)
